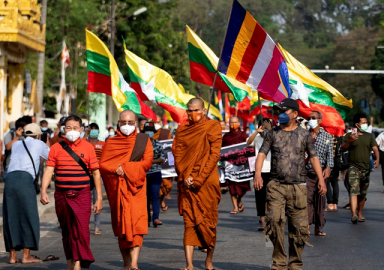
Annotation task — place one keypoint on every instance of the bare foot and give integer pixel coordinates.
(31, 259)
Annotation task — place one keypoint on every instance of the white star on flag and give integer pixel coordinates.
(299, 91)
(149, 90)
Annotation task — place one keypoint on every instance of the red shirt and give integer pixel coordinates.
(98, 148)
(69, 174)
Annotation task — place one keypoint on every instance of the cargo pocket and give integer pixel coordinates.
(300, 196)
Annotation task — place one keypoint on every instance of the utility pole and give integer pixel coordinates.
(40, 63)
(112, 49)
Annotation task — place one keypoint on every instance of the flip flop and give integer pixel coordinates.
(361, 219)
(34, 257)
(330, 210)
(233, 212)
(260, 229)
(241, 207)
(354, 219)
(51, 258)
(97, 231)
(164, 208)
(320, 233)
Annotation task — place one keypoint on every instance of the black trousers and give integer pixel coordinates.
(261, 195)
(333, 187)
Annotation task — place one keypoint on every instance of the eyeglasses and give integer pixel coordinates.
(312, 118)
(123, 123)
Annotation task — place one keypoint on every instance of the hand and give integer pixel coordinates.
(322, 187)
(19, 132)
(188, 183)
(260, 129)
(258, 182)
(58, 124)
(377, 163)
(88, 130)
(44, 199)
(326, 173)
(120, 171)
(98, 206)
(353, 138)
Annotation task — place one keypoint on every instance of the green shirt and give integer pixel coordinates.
(359, 151)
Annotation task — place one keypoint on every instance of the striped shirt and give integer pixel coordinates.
(98, 148)
(69, 174)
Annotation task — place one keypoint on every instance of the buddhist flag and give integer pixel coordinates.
(312, 93)
(63, 88)
(156, 85)
(203, 67)
(104, 77)
(250, 56)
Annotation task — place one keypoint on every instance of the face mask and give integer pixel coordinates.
(127, 129)
(94, 133)
(111, 134)
(44, 129)
(157, 126)
(150, 134)
(235, 126)
(284, 118)
(364, 127)
(195, 117)
(62, 129)
(265, 133)
(313, 124)
(72, 135)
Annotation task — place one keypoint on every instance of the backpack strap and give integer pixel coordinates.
(140, 145)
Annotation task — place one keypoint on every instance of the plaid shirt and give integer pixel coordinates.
(324, 148)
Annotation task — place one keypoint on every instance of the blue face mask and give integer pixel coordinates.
(265, 133)
(62, 129)
(94, 133)
(44, 129)
(150, 134)
(284, 118)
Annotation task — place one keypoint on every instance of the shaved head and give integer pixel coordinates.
(125, 113)
(197, 102)
(234, 119)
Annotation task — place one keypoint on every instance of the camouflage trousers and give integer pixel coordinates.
(357, 181)
(290, 200)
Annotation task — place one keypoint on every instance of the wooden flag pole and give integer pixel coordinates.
(261, 113)
(212, 92)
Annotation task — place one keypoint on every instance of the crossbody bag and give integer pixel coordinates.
(36, 181)
(79, 161)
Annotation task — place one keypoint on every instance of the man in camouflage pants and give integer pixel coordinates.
(287, 191)
(357, 176)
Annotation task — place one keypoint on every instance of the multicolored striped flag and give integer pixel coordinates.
(156, 85)
(250, 56)
(104, 77)
(203, 67)
(312, 93)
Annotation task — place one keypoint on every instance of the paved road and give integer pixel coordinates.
(239, 245)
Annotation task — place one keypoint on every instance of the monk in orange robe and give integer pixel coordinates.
(196, 150)
(125, 183)
(166, 186)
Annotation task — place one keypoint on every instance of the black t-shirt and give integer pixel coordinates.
(288, 154)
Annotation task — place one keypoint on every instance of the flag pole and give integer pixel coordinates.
(88, 105)
(212, 92)
(261, 114)
(273, 111)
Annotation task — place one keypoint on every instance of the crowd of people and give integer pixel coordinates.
(298, 166)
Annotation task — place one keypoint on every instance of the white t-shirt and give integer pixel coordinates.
(257, 143)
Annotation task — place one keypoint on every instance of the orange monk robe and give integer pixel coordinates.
(196, 151)
(127, 195)
(156, 136)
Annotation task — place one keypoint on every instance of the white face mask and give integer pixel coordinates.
(127, 129)
(157, 126)
(72, 135)
(313, 124)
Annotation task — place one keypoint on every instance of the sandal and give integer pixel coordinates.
(157, 223)
(320, 233)
(233, 212)
(164, 208)
(97, 231)
(51, 258)
(35, 260)
(241, 207)
(330, 210)
(362, 219)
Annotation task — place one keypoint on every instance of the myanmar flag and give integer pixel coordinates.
(104, 77)
(203, 66)
(156, 85)
(312, 93)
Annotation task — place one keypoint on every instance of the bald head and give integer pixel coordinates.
(234, 119)
(234, 123)
(197, 102)
(125, 113)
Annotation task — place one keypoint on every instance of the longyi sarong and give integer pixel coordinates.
(73, 209)
(20, 215)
